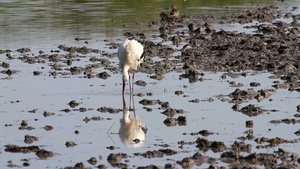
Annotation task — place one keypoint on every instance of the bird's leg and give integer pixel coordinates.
(124, 102)
(132, 81)
(131, 89)
(130, 103)
(124, 84)
(129, 82)
(133, 106)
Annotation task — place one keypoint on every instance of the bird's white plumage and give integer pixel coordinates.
(129, 53)
(131, 129)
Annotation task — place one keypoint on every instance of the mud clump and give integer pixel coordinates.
(47, 113)
(157, 153)
(272, 142)
(103, 75)
(30, 139)
(251, 110)
(205, 145)
(254, 84)
(192, 75)
(109, 110)
(168, 152)
(5, 65)
(170, 112)
(268, 160)
(239, 96)
(170, 121)
(186, 162)
(73, 103)
(37, 73)
(70, 144)
(18, 149)
(182, 120)
(150, 167)
(23, 50)
(76, 70)
(82, 50)
(286, 121)
(48, 127)
(115, 158)
(179, 92)
(94, 118)
(24, 126)
(93, 161)
(150, 154)
(249, 123)
(78, 165)
(148, 102)
(43, 154)
(199, 158)
(195, 101)
(205, 132)
(140, 83)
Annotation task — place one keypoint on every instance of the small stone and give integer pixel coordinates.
(195, 100)
(70, 144)
(249, 123)
(93, 161)
(73, 103)
(26, 164)
(30, 139)
(182, 120)
(179, 92)
(37, 73)
(48, 128)
(254, 84)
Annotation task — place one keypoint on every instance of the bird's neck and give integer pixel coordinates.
(125, 74)
(126, 115)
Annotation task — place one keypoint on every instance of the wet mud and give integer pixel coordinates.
(196, 47)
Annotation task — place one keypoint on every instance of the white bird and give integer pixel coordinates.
(130, 54)
(132, 131)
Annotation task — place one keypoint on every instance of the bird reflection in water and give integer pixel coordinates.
(132, 131)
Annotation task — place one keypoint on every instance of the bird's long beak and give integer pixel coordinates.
(124, 103)
(123, 88)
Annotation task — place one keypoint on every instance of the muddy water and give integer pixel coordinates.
(41, 25)
(44, 24)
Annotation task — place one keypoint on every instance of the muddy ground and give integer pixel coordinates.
(197, 47)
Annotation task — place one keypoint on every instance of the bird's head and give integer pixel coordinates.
(125, 77)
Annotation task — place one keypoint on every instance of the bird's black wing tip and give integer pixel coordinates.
(143, 56)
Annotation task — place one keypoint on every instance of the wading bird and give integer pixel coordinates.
(174, 12)
(132, 131)
(130, 54)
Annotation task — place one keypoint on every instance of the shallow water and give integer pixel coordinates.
(43, 25)
(47, 94)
